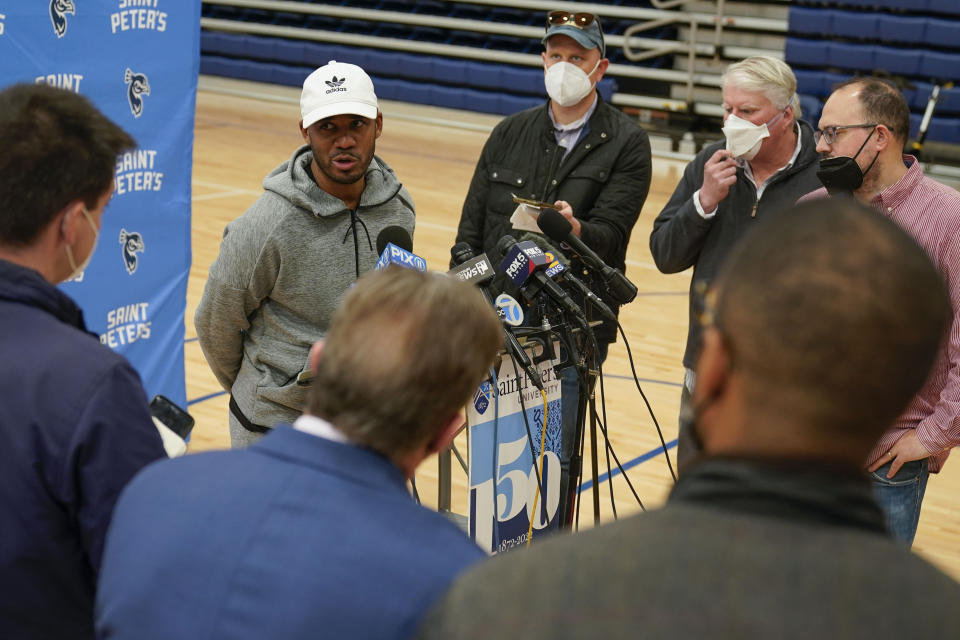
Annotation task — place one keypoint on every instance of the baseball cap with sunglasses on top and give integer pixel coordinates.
(583, 27)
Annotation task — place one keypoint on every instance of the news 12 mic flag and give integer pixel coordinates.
(503, 481)
(138, 63)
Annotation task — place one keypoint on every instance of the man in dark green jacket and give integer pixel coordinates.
(576, 151)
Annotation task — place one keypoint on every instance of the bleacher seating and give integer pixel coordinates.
(914, 42)
(423, 78)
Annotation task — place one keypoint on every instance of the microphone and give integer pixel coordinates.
(479, 271)
(558, 228)
(558, 271)
(396, 247)
(524, 262)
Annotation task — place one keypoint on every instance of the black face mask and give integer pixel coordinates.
(841, 174)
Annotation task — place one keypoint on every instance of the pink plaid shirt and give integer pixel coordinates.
(930, 212)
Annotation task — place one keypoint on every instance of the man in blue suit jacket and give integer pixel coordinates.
(311, 532)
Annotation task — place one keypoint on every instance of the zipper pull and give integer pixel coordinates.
(753, 212)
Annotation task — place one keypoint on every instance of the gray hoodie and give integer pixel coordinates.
(282, 269)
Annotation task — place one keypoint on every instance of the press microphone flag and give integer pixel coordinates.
(479, 271)
(559, 229)
(395, 247)
(524, 264)
(557, 271)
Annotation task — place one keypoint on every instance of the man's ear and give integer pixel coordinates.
(303, 132)
(446, 434)
(713, 367)
(883, 137)
(314, 356)
(379, 123)
(72, 214)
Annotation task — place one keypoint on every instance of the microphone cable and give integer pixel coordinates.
(543, 443)
(636, 380)
(496, 452)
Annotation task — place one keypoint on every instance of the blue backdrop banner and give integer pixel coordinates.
(138, 61)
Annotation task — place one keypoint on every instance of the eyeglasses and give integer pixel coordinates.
(579, 20)
(829, 134)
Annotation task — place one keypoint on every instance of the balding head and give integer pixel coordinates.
(829, 317)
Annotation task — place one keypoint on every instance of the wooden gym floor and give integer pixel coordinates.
(240, 138)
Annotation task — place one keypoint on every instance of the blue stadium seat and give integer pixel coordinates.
(949, 101)
(449, 97)
(914, 125)
(387, 88)
(607, 87)
(289, 75)
(948, 7)
(943, 33)
(361, 27)
(830, 80)
(392, 30)
(431, 7)
(811, 108)
(220, 66)
(317, 54)
(482, 101)
(483, 75)
(510, 103)
(850, 56)
(211, 41)
(450, 71)
(468, 39)
(866, 4)
(809, 82)
(944, 130)
(800, 51)
(854, 24)
(809, 21)
(427, 34)
(521, 79)
(258, 71)
(905, 62)
(415, 67)
(903, 5)
(290, 51)
(906, 29)
(940, 66)
(388, 63)
(322, 23)
(288, 19)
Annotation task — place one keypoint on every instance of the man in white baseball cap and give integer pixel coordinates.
(286, 262)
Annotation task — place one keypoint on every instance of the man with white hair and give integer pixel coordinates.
(767, 162)
(285, 263)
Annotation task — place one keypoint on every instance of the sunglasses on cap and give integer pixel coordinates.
(579, 20)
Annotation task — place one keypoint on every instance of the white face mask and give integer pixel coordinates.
(77, 273)
(567, 84)
(744, 138)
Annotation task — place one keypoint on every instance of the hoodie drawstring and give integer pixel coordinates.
(354, 219)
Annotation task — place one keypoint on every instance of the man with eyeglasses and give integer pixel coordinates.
(775, 533)
(864, 126)
(767, 161)
(576, 151)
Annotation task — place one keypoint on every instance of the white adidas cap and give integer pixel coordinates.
(334, 89)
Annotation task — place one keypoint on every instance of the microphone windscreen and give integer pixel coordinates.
(395, 235)
(554, 225)
(461, 252)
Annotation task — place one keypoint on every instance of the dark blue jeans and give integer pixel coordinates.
(900, 498)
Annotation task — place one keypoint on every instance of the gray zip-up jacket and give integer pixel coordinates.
(282, 269)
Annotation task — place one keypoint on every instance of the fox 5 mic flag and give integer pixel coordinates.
(138, 63)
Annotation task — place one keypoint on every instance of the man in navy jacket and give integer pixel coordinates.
(75, 424)
(311, 532)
